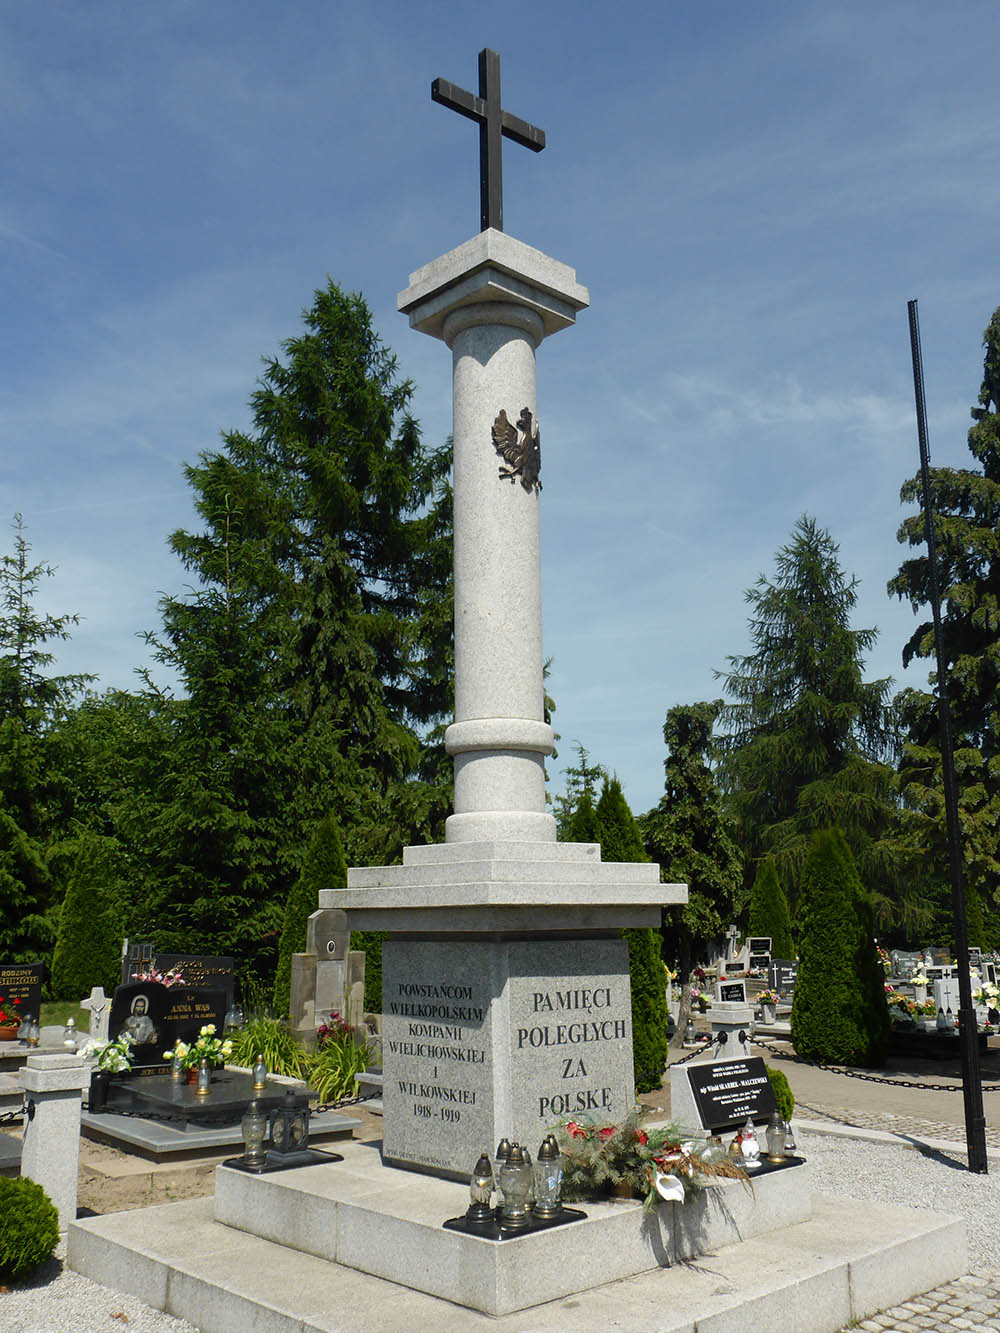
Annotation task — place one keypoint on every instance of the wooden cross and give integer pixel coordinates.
(493, 124)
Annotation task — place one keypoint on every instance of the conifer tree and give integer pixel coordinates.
(31, 701)
(89, 944)
(966, 507)
(808, 737)
(324, 867)
(839, 1014)
(769, 914)
(621, 841)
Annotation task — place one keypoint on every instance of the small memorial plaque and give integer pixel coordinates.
(781, 974)
(733, 991)
(759, 944)
(726, 1092)
(759, 962)
(23, 982)
(975, 957)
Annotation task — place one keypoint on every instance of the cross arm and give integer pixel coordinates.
(475, 108)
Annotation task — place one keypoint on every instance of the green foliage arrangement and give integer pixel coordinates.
(838, 1011)
(782, 1090)
(269, 1036)
(769, 913)
(88, 946)
(29, 1227)
(324, 867)
(621, 841)
(340, 1057)
(599, 1159)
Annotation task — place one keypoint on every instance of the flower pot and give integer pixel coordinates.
(191, 1076)
(703, 1006)
(9, 1033)
(769, 1013)
(100, 1080)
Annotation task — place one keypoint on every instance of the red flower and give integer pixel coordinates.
(642, 1136)
(605, 1132)
(574, 1130)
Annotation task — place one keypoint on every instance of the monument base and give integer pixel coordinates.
(295, 1251)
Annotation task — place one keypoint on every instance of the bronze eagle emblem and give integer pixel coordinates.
(520, 447)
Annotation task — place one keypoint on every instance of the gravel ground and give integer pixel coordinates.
(58, 1301)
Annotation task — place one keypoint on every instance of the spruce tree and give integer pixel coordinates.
(769, 910)
(89, 944)
(324, 867)
(808, 737)
(839, 1014)
(31, 797)
(966, 507)
(621, 841)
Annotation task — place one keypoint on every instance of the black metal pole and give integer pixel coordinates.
(975, 1120)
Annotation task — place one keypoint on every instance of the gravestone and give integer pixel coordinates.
(201, 971)
(23, 982)
(733, 992)
(157, 1016)
(100, 1013)
(328, 936)
(946, 994)
(759, 962)
(906, 964)
(781, 974)
(759, 944)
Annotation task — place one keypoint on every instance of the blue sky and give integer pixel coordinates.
(751, 193)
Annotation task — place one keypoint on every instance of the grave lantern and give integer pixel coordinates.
(548, 1178)
(254, 1127)
(776, 1138)
(259, 1073)
(290, 1126)
(515, 1182)
(481, 1192)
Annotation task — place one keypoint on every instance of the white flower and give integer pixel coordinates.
(208, 1030)
(669, 1188)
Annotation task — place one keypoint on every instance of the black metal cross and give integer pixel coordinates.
(493, 123)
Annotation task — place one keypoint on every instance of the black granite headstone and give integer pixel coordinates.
(781, 974)
(23, 982)
(158, 1016)
(202, 971)
(758, 962)
(727, 1091)
(759, 944)
(733, 991)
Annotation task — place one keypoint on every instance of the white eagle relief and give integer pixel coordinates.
(520, 447)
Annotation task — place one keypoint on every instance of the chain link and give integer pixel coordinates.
(8, 1116)
(866, 1078)
(702, 1048)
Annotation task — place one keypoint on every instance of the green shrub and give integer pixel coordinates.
(769, 913)
(839, 1014)
(29, 1227)
(272, 1039)
(370, 942)
(323, 867)
(89, 940)
(782, 1090)
(334, 1069)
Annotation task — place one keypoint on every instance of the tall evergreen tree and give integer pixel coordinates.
(324, 867)
(966, 507)
(691, 837)
(808, 736)
(769, 913)
(621, 841)
(839, 1014)
(89, 944)
(31, 701)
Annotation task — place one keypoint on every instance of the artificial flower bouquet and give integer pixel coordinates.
(9, 1016)
(167, 979)
(655, 1164)
(768, 997)
(114, 1057)
(208, 1047)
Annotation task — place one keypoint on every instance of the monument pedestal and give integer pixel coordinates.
(506, 999)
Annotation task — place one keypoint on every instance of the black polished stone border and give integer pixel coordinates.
(310, 1157)
(493, 1230)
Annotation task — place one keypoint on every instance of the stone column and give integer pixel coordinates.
(50, 1155)
(492, 301)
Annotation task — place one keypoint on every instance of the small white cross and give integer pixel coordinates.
(100, 1012)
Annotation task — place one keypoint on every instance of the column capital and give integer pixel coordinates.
(493, 266)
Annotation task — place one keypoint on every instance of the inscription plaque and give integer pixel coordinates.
(727, 1091)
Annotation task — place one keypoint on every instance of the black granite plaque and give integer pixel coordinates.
(23, 982)
(727, 1091)
(202, 971)
(733, 991)
(759, 944)
(759, 962)
(781, 974)
(157, 1016)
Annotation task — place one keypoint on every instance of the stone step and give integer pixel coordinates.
(844, 1264)
(11, 1092)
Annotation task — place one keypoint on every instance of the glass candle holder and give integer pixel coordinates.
(259, 1073)
(204, 1078)
(548, 1179)
(481, 1193)
(515, 1182)
(253, 1126)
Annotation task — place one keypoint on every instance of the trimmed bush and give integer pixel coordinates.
(29, 1227)
(769, 913)
(269, 1036)
(89, 943)
(370, 942)
(782, 1090)
(839, 1014)
(621, 841)
(324, 867)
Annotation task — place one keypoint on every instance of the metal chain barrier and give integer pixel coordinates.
(8, 1116)
(866, 1078)
(703, 1047)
